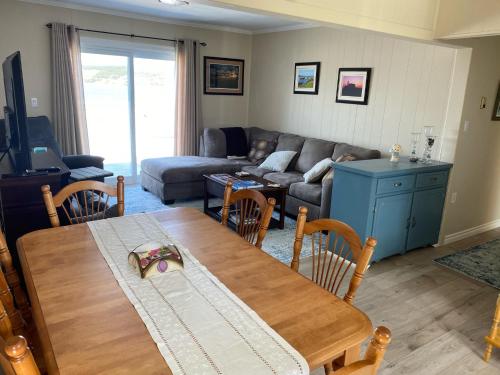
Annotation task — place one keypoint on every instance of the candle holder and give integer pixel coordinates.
(415, 139)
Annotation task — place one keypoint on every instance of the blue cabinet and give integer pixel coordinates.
(400, 204)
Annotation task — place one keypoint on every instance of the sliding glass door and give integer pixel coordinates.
(130, 103)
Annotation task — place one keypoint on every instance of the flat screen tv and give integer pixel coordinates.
(16, 121)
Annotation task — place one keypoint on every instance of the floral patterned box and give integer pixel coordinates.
(153, 258)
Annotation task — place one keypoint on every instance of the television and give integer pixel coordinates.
(16, 120)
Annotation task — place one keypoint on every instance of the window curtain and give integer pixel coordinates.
(188, 108)
(68, 104)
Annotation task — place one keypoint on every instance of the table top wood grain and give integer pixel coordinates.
(87, 324)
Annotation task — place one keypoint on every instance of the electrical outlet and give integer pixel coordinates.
(34, 102)
(466, 125)
(454, 197)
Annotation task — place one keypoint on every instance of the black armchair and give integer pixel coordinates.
(41, 135)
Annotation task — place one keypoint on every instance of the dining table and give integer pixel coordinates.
(87, 325)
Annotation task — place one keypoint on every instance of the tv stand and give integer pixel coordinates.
(22, 206)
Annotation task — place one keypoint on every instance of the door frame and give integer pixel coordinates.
(130, 50)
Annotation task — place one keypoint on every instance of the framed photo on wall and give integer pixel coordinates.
(224, 76)
(496, 109)
(306, 78)
(353, 85)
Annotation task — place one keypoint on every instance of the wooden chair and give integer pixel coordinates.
(84, 201)
(373, 356)
(251, 213)
(333, 256)
(493, 339)
(15, 357)
(14, 287)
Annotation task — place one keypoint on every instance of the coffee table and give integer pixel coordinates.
(215, 188)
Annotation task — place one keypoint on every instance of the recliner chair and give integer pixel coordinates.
(41, 135)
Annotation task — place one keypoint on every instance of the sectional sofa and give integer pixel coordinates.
(181, 177)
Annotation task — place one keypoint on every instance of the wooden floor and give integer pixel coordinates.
(437, 316)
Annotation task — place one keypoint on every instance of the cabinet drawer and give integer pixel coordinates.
(431, 179)
(395, 184)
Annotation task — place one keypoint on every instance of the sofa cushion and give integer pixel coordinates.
(188, 168)
(284, 179)
(360, 153)
(278, 161)
(255, 170)
(260, 149)
(290, 142)
(214, 143)
(313, 151)
(307, 192)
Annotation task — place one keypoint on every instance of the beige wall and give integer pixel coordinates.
(476, 173)
(468, 18)
(22, 27)
(410, 88)
(409, 18)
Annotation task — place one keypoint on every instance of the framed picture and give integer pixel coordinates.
(496, 109)
(224, 76)
(306, 78)
(353, 85)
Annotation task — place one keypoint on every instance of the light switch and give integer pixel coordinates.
(34, 102)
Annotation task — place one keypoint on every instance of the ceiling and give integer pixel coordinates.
(198, 12)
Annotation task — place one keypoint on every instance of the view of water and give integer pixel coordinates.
(107, 107)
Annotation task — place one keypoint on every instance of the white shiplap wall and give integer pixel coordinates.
(410, 87)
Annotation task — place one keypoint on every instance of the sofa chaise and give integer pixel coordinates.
(181, 177)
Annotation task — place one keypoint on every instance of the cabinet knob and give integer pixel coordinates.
(413, 222)
(398, 184)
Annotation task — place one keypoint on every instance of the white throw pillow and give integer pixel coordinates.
(318, 170)
(278, 161)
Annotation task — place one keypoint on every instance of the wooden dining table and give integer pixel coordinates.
(87, 325)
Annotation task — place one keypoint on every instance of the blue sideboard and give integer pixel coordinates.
(399, 204)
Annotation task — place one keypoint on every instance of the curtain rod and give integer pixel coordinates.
(49, 25)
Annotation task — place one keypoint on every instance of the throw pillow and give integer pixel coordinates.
(318, 170)
(345, 157)
(260, 149)
(278, 161)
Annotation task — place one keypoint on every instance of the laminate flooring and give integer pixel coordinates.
(438, 317)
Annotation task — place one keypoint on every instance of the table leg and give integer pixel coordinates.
(205, 196)
(282, 211)
(351, 355)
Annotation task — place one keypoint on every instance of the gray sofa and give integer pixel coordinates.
(181, 177)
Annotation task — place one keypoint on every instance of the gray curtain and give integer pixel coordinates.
(188, 109)
(68, 105)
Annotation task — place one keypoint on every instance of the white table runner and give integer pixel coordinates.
(199, 325)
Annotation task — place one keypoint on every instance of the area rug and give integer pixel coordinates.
(482, 262)
(278, 242)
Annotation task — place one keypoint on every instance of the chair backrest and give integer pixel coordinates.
(373, 356)
(14, 288)
(7, 302)
(493, 339)
(84, 201)
(333, 253)
(249, 211)
(15, 355)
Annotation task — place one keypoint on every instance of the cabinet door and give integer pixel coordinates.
(390, 225)
(426, 215)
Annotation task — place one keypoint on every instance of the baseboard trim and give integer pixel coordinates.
(471, 232)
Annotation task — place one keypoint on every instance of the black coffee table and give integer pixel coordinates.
(215, 188)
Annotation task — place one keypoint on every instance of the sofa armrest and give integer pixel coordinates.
(326, 194)
(83, 161)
